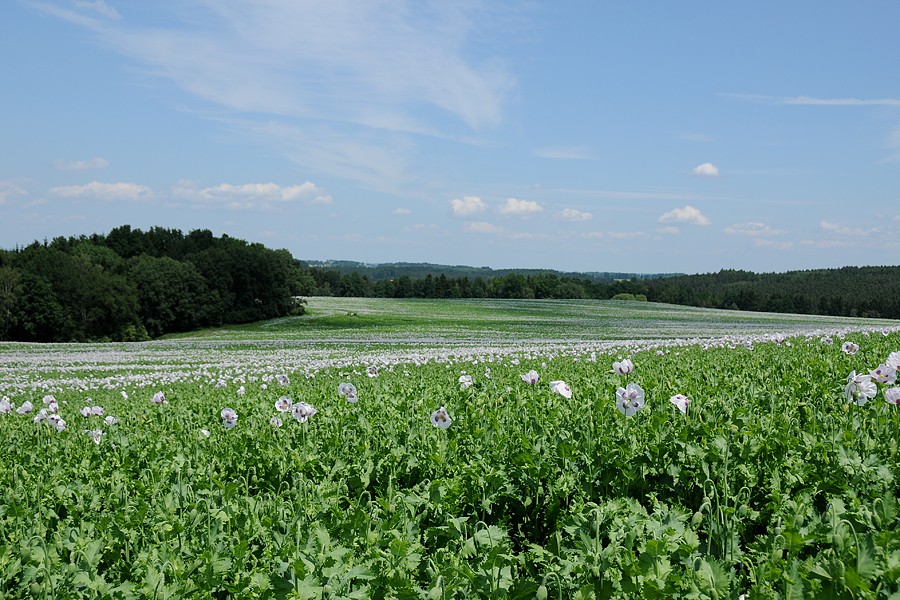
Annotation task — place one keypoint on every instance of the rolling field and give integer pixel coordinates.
(458, 449)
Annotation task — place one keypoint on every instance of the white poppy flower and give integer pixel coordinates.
(348, 391)
(859, 388)
(561, 388)
(229, 417)
(441, 419)
(623, 367)
(892, 395)
(681, 401)
(531, 377)
(630, 399)
(303, 411)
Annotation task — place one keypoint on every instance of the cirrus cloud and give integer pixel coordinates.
(687, 214)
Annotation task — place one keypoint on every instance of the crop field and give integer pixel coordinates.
(458, 449)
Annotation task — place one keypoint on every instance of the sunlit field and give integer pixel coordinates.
(458, 449)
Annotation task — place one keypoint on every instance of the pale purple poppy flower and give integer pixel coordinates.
(859, 388)
(892, 395)
(883, 374)
(561, 388)
(275, 422)
(159, 398)
(283, 404)
(630, 399)
(681, 401)
(26, 408)
(441, 418)
(893, 361)
(849, 348)
(303, 411)
(348, 391)
(465, 381)
(372, 371)
(6, 406)
(229, 417)
(531, 377)
(283, 380)
(623, 367)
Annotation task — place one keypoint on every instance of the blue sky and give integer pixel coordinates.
(574, 135)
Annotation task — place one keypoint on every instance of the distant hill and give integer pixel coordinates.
(389, 271)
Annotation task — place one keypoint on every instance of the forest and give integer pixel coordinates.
(133, 285)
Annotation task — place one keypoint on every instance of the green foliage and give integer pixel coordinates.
(130, 284)
(771, 485)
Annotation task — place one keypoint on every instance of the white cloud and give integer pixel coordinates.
(82, 165)
(467, 206)
(573, 214)
(753, 229)
(706, 170)
(813, 101)
(850, 232)
(512, 206)
(371, 63)
(104, 191)
(763, 243)
(252, 195)
(669, 230)
(688, 214)
(892, 144)
(8, 189)
(401, 212)
(565, 152)
(481, 227)
(100, 7)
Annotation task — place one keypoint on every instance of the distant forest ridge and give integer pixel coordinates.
(385, 271)
(872, 291)
(131, 284)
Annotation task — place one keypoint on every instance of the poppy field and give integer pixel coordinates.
(458, 449)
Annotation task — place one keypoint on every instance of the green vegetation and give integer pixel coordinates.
(779, 480)
(850, 291)
(133, 285)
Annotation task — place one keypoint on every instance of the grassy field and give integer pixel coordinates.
(235, 463)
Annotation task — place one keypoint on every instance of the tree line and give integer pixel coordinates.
(850, 291)
(134, 285)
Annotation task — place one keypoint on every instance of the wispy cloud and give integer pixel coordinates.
(342, 88)
(400, 212)
(850, 232)
(467, 206)
(573, 214)
(813, 101)
(513, 206)
(482, 227)
(373, 63)
(706, 170)
(565, 152)
(687, 214)
(9, 189)
(892, 145)
(82, 165)
(753, 229)
(251, 195)
(100, 7)
(104, 191)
